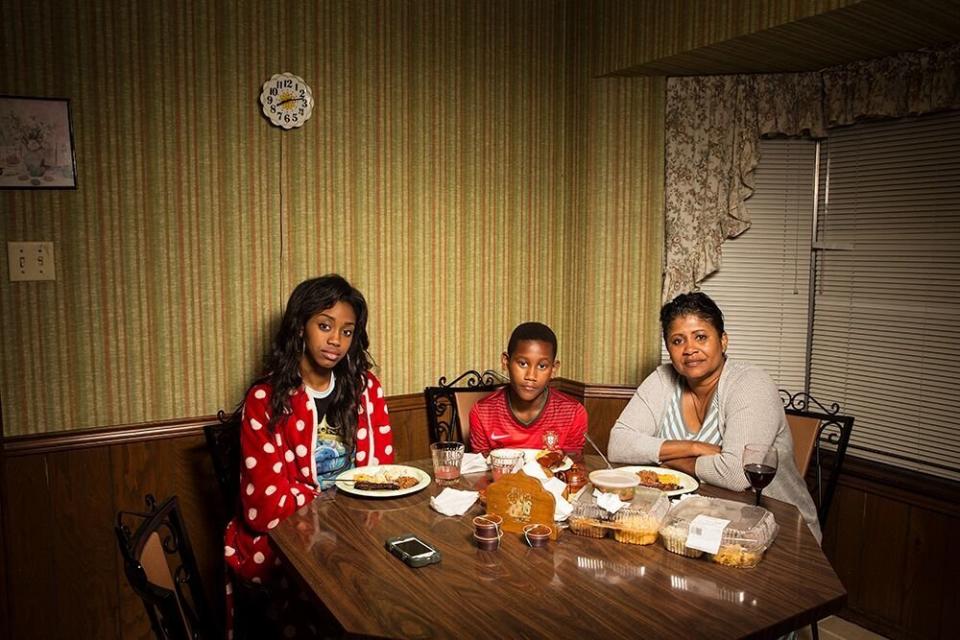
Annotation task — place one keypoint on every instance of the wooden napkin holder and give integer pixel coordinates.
(521, 500)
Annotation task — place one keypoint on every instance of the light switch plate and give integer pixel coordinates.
(31, 261)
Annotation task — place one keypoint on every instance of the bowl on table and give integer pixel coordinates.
(613, 481)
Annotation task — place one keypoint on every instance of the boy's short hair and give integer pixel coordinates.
(532, 331)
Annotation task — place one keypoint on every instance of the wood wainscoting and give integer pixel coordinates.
(889, 535)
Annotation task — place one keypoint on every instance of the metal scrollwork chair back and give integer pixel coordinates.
(160, 567)
(223, 442)
(449, 403)
(812, 425)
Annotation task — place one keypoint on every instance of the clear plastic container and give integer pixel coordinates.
(750, 533)
(635, 523)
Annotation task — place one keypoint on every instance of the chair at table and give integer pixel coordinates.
(449, 403)
(223, 442)
(160, 567)
(812, 424)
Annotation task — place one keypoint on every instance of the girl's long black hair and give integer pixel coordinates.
(283, 363)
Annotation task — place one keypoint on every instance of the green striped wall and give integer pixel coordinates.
(463, 167)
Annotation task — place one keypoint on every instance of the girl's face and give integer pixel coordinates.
(327, 336)
(696, 348)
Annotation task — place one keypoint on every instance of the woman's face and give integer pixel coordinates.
(328, 335)
(696, 348)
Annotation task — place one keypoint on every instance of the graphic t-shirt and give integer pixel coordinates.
(330, 454)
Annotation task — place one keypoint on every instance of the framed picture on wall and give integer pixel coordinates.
(36, 144)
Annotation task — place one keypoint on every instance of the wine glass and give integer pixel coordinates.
(759, 465)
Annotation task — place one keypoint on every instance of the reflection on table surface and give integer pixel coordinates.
(574, 586)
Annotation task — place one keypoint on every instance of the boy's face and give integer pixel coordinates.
(531, 366)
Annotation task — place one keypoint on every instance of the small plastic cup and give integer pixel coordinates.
(504, 461)
(447, 456)
(537, 535)
(487, 525)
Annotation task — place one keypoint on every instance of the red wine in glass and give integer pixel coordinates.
(760, 466)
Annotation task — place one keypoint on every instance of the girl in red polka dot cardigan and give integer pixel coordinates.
(317, 412)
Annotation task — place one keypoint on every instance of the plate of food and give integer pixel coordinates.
(673, 483)
(384, 481)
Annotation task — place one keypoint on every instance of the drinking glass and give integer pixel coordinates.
(760, 465)
(447, 456)
(504, 461)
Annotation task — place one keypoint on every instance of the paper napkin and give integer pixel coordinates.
(453, 502)
(608, 501)
(563, 508)
(473, 463)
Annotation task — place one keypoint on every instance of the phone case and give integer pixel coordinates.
(413, 561)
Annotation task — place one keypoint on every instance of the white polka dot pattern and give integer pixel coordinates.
(251, 462)
(362, 434)
(283, 500)
(268, 448)
(279, 440)
(385, 410)
(277, 467)
(301, 499)
(295, 491)
(270, 490)
(369, 407)
(385, 429)
(301, 450)
(255, 424)
(256, 580)
(301, 425)
(379, 392)
(250, 489)
(258, 557)
(305, 471)
(259, 394)
(388, 449)
(374, 461)
(229, 551)
(251, 514)
(288, 455)
(270, 525)
(361, 456)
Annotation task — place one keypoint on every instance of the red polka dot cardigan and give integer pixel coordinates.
(278, 474)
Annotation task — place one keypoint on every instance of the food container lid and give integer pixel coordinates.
(613, 479)
(646, 504)
(753, 528)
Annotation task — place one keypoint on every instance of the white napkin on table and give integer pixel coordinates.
(562, 508)
(453, 502)
(473, 463)
(609, 501)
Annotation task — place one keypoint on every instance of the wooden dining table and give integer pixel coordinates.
(575, 587)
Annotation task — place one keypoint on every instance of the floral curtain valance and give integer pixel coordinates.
(714, 124)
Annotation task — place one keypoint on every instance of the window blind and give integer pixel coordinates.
(762, 285)
(886, 319)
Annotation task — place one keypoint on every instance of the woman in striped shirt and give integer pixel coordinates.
(696, 413)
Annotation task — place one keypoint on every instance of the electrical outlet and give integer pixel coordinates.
(31, 261)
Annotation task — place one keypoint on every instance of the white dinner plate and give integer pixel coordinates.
(530, 455)
(688, 483)
(391, 471)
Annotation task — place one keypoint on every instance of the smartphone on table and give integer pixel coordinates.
(412, 550)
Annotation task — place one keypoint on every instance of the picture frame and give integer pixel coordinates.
(36, 143)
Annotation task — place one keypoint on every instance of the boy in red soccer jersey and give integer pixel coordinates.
(517, 415)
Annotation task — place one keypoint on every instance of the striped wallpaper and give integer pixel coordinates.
(463, 167)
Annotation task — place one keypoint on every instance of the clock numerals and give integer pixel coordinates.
(286, 100)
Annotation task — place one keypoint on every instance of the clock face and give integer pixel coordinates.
(286, 100)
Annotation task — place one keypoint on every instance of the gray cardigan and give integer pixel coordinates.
(750, 411)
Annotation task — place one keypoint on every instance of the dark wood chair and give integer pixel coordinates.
(223, 442)
(160, 567)
(449, 403)
(814, 425)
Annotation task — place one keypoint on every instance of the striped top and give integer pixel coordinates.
(673, 426)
